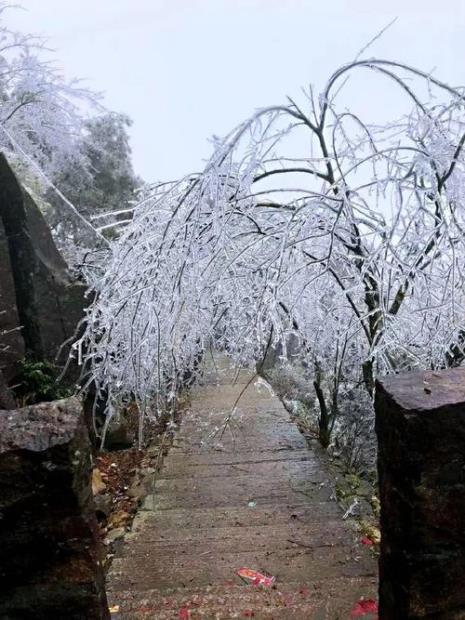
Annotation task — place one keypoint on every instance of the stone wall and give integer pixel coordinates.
(420, 424)
(49, 560)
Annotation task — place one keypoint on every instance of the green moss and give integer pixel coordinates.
(353, 481)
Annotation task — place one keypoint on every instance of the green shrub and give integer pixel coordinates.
(37, 382)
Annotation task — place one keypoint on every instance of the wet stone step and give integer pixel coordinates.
(257, 498)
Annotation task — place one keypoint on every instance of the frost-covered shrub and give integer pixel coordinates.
(354, 440)
(289, 382)
(351, 246)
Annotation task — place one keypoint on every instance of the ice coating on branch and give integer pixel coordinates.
(355, 251)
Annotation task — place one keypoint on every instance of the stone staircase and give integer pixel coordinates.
(256, 497)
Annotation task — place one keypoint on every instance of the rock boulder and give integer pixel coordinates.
(37, 292)
(50, 560)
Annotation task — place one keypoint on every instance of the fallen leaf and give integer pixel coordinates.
(119, 519)
(184, 613)
(97, 483)
(364, 607)
(367, 541)
(114, 609)
(372, 532)
(257, 579)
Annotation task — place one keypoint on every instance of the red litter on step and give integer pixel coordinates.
(364, 607)
(367, 541)
(257, 579)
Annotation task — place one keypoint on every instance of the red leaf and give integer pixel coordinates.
(257, 579)
(367, 541)
(184, 613)
(364, 607)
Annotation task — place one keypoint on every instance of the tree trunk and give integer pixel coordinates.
(324, 431)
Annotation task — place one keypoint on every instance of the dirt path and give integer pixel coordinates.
(256, 498)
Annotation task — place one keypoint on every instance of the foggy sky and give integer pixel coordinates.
(186, 69)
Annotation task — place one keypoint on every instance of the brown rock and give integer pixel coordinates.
(114, 535)
(50, 564)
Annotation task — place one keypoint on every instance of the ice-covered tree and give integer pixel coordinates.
(308, 220)
(41, 113)
(44, 120)
(105, 180)
(100, 183)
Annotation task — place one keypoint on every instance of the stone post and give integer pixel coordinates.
(49, 556)
(420, 424)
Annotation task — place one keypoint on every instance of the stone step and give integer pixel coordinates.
(322, 599)
(237, 493)
(222, 538)
(283, 468)
(177, 456)
(263, 513)
(256, 473)
(254, 443)
(260, 499)
(142, 569)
